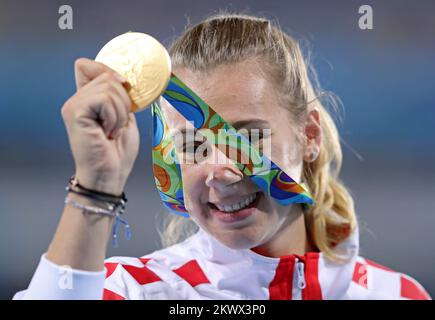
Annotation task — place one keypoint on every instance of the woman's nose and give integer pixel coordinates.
(222, 176)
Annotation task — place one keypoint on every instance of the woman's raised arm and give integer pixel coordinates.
(104, 141)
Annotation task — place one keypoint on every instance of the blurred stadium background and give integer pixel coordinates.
(385, 77)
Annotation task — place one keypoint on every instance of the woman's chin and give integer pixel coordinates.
(244, 237)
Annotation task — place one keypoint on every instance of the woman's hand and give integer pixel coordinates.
(102, 131)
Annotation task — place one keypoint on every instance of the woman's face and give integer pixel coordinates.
(212, 188)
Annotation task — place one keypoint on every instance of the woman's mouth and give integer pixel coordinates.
(237, 209)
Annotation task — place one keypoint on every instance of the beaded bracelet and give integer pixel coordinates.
(73, 184)
(115, 206)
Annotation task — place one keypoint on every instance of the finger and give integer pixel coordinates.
(131, 119)
(87, 70)
(99, 109)
(122, 92)
(132, 123)
(121, 114)
(108, 116)
(120, 100)
(103, 82)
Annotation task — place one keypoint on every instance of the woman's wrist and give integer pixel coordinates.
(102, 183)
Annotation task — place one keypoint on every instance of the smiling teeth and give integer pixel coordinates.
(246, 201)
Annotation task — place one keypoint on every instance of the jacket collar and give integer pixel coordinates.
(325, 279)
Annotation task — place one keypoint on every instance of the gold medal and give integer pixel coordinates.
(143, 61)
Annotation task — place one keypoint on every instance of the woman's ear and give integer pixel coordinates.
(313, 135)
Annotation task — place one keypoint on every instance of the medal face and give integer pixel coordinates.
(143, 61)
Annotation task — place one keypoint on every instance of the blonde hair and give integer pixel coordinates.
(230, 38)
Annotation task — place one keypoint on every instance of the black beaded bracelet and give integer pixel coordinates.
(75, 187)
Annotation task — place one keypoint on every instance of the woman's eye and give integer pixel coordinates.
(195, 152)
(255, 137)
(191, 147)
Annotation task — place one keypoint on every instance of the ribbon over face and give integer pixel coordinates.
(259, 168)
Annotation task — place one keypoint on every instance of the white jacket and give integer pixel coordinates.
(202, 268)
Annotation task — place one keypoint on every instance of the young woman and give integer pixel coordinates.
(247, 246)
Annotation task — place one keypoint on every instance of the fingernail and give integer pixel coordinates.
(126, 85)
(111, 135)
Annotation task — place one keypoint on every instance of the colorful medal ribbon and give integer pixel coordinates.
(259, 168)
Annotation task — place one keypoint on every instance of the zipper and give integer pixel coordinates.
(299, 283)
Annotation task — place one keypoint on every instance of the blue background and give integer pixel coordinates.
(385, 78)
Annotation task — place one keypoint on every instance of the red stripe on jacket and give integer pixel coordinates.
(192, 273)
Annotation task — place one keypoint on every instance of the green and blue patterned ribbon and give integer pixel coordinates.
(260, 169)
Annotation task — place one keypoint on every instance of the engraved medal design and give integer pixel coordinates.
(143, 61)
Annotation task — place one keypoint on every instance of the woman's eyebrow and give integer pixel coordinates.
(253, 123)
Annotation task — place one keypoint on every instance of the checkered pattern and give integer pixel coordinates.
(202, 268)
